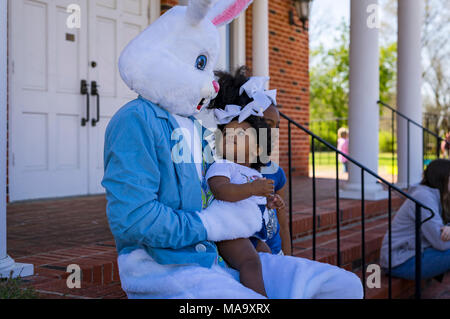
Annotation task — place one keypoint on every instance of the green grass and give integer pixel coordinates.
(327, 160)
(12, 289)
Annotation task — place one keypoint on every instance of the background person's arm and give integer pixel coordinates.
(445, 233)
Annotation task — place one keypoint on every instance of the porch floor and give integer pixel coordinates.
(53, 234)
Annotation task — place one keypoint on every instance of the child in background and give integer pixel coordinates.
(342, 145)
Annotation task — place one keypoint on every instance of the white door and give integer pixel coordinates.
(48, 153)
(51, 154)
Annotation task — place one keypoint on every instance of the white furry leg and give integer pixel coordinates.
(287, 277)
(143, 278)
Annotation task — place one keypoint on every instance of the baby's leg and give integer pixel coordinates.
(242, 256)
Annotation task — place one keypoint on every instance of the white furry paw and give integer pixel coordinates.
(228, 221)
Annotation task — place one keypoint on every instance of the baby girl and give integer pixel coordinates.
(244, 146)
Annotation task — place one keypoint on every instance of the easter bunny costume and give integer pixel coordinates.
(164, 232)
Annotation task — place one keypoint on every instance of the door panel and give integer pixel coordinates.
(35, 45)
(129, 31)
(67, 154)
(68, 48)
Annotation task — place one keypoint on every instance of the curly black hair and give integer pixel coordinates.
(230, 86)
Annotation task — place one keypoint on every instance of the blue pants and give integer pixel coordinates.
(434, 263)
(345, 165)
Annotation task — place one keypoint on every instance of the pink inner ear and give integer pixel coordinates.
(231, 12)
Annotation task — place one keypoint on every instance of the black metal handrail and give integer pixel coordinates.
(364, 170)
(424, 130)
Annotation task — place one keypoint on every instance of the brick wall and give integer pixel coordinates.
(289, 72)
(167, 4)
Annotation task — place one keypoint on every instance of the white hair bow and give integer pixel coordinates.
(262, 99)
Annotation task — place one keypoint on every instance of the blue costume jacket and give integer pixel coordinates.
(152, 201)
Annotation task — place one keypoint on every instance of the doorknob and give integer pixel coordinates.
(94, 92)
(85, 91)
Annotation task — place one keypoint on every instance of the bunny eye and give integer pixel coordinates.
(201, 62)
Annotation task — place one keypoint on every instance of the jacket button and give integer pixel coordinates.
(200, 248)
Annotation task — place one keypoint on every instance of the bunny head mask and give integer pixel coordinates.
(171, 63)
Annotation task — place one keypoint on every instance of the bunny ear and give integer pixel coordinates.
(225, 11)
(197, 10)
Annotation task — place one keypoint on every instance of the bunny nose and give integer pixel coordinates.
(216, 86)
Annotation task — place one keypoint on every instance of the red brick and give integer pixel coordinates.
(97, 275)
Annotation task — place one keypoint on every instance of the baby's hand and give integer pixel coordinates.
(262, 187)
(276, 202)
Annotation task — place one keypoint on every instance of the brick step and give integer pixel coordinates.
(350, 244)
(98, 263)
(405, 289)
(401, 288)
(350, 212)
(351, 252)
(53, 288)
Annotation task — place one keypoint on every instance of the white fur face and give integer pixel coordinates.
(161, 64)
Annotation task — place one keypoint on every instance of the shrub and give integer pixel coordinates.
(12, 289)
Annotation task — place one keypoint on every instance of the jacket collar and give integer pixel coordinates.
(159, 112)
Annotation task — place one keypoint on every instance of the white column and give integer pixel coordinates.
(261, 38)
(155, 10)
(223, 62)
(238, 41)
(409, 85)
(363, 97)
(3, 76)
(7, 264)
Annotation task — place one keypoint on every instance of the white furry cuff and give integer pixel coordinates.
(228, 221)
